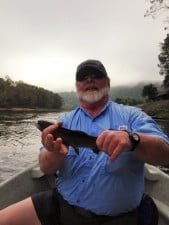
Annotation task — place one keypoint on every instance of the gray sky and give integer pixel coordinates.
(43, 41)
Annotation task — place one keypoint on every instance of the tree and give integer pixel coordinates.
(149, 91)
(128, 101)
(156, 8)
(164, 61)
(20, 94)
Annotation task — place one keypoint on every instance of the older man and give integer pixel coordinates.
(99, 189)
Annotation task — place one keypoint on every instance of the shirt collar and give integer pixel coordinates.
(103, 109)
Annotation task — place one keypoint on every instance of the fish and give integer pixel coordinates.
(74, 138)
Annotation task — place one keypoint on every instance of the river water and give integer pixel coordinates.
(20, 140)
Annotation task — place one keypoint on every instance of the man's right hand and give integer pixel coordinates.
(50, 143)
(52, 157)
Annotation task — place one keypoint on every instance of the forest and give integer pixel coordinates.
(22, 95)
(17, 94)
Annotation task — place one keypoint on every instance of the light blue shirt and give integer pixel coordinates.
(93, 182)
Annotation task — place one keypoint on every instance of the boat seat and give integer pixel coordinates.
(148, 212)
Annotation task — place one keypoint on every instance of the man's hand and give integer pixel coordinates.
(52, 145)
(113, 143)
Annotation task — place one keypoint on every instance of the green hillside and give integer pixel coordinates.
(157, 109)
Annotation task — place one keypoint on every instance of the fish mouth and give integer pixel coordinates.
(37, 125)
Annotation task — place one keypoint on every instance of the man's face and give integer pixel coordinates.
(92, 88)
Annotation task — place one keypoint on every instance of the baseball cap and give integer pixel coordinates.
(90, 66)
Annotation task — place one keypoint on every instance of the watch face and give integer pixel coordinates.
(135, 140)
(136, 137)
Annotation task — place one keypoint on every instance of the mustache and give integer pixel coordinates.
(91, 88)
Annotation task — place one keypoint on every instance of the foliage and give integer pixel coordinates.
(128, 101)
(158, 7)
(157, 109)
(149, 91)
(164, 61)
(20, 94)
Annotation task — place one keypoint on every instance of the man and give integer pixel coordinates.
(99, 189)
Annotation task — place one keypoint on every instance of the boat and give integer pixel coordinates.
(156, 186)
(33, 180)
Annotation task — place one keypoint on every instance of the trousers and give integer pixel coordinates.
(52, 209)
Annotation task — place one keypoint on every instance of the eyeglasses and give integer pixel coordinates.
(83, 77)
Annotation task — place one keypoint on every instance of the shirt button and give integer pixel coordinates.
(83, 180)
(78, 201)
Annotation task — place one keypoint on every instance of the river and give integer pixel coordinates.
(20, 140)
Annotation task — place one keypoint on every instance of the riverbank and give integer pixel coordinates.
(157, 109)
(15, 109)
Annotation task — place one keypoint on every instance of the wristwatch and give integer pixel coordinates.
(134, 138)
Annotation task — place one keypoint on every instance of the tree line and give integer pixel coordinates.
(151, 91)
(156, 8)
(20, 94)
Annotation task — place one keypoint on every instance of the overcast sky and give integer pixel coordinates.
(43, 41)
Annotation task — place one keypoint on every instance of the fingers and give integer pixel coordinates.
(50, 143)
(50, 129)
(113, 143)
(117, 151)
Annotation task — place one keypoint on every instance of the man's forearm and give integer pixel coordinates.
(152, 150)
(50, 162)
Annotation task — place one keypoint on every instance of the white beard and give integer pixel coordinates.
(92, 96)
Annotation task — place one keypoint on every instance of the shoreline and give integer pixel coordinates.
(17, 109)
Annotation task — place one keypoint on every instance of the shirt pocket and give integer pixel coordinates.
(117, 166)
(68, 165)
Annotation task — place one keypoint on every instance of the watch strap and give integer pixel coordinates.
(134, 142)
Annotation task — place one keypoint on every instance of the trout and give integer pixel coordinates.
(74, 138)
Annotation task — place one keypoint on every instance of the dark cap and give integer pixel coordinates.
(90, 66)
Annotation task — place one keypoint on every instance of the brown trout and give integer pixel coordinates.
(74, 138)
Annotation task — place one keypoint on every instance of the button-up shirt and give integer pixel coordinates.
(90, 180)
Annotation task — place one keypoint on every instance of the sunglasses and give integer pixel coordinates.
(94, 76)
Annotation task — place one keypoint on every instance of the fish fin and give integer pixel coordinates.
(76, 150)
(96, 150)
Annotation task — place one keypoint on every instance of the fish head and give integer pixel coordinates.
(42, 124)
